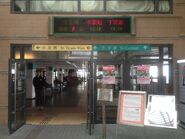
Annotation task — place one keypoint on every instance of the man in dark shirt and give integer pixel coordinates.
(38, 82)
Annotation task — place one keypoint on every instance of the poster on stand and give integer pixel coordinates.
(105, 94)
(143, 76)
(131, 107)
(161, 111)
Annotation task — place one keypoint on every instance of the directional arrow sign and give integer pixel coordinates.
(121, 47)
(53, 47)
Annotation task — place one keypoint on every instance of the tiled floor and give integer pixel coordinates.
(65, 108)
(81, 132)
(56, 116)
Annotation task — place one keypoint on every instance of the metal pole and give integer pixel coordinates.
(15, 96)
(104, 120)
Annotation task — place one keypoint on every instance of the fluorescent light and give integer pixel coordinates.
(181, 61)
(13, 71)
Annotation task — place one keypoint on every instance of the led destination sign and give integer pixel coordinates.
(90, 25)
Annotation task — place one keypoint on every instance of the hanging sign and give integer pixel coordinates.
(106, 25)
(53, 47)
(94, 47)
(131, 107)
(121, 47)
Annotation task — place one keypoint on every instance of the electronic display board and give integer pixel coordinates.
(91, 25)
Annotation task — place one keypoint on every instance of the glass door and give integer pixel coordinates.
(151, 71)
(17, 92)
(108, 77)
(145, 77)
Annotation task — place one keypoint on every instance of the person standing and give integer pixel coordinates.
(72, 79)
(38, 82)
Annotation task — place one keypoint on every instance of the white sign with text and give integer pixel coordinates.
(161, 111)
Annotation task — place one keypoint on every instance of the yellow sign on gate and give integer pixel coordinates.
(52, 47)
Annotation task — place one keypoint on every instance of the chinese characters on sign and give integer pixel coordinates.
(45, 47)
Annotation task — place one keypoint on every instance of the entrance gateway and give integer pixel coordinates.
(119, 61)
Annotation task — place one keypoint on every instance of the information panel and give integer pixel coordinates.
(91, 25)
(161, 111)
(105, 94)
(131, 107)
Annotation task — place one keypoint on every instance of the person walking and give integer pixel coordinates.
(38, 82)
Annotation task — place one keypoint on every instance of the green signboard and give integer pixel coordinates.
(121, 47)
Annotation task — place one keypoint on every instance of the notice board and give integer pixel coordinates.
(131, 107)
(161, 111)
